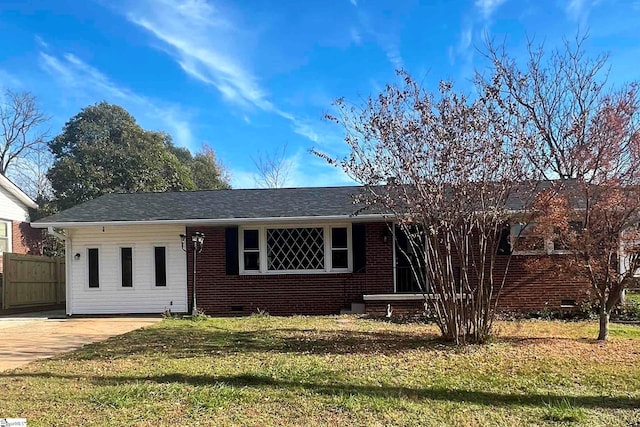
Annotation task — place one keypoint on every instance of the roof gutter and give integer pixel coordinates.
(219, 221)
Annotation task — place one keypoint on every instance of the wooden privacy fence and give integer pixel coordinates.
(32, 281)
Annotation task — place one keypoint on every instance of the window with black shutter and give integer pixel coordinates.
(126, 267)
(161, 265)
(94, 267)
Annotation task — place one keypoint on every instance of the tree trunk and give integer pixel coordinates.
(603, 333)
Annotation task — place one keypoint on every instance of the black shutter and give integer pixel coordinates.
(504, 244)
(359, 248)
(231, 250)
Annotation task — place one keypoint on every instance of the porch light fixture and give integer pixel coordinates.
(385, 236)
(197, 243)
(76, 256)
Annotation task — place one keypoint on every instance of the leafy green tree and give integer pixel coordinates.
(207, 172)
(103, 150)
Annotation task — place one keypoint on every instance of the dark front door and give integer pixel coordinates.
(405, 256)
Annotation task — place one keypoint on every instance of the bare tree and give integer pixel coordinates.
(21, 133)
(30, 173)
(585, 135)
(447, 169)
(273, 168)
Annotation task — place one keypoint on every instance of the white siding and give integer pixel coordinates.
(111, 297)
(11, 208)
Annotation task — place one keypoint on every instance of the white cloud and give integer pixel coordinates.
(465, 39)
(578, 10)
(207, 46)
(9, 81)
(393, 55)
(355, 36)
(40, 42)
(354, 2)
(488, 7)
(91, 85)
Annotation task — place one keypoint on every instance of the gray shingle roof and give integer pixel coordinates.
(214, 204)
(239, 204)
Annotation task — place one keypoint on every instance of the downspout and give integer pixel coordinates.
(67, 267)
(53, 232)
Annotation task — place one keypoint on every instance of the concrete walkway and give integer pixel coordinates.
(25, 338)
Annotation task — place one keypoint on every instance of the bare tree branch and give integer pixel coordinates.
(20, 134)
(272, 168)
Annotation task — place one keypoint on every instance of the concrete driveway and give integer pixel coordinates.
(26, 338)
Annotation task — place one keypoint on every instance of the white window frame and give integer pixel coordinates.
(329, 259)
(153, 264)
(262, 244)
(133, 266)
(9, 225)
(261, 255)
(549, 245)
(100, 268)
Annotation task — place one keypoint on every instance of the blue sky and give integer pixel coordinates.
(249, 76)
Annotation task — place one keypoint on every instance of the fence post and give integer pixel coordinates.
(60, 274)
(6, 277)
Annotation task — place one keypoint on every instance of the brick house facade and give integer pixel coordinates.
(220, 293)
(281, 251)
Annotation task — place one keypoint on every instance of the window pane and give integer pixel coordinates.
(4, 245)
(94, 273)
(161, 265)
(251, 240)
(340, 258)
(3, 229)
(126, 260)
(295, 249)
(252, 261)
(339, 238)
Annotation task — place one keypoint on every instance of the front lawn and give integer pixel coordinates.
(334, 371)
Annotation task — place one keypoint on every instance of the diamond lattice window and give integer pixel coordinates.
(295, 249)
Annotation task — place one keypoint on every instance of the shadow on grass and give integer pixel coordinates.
(336, 389)
(188, 340)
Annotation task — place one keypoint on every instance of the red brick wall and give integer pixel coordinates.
(526, 288)
(286, 294)
(534, 287)
(529, 287)
(25, 239)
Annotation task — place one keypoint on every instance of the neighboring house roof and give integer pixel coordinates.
(17, 192)
(212, 206)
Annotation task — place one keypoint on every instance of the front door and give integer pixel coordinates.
(405, 255)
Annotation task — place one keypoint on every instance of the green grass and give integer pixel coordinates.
(320, 371)
(633, 296)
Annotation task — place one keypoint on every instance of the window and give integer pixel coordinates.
(4, 237)
(160, 255)
(126, 267)
(575, 229)
(339, 248)
(295, 249)
(251, 249)
(94, 267)
(525, 239)
(312, 249)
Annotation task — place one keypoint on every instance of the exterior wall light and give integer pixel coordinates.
(197, 241)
